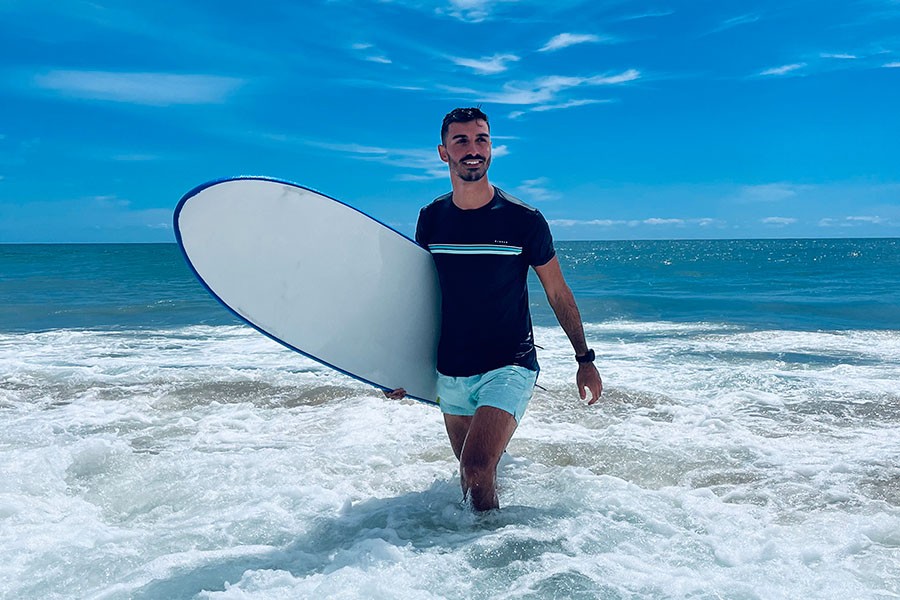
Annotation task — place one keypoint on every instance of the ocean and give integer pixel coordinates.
(746, 445)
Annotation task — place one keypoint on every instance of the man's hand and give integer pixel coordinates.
(398, 394)
(589, 379)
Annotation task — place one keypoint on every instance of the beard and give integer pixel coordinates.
(468, 173)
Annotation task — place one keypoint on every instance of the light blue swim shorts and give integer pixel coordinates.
(507, 388)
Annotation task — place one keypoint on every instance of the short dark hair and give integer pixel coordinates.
(463, 115)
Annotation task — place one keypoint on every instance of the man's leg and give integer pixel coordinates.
(479, 442)
(457, 429)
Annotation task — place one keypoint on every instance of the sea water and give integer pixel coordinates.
(746, 445)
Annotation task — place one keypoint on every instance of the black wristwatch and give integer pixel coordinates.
(587, 357)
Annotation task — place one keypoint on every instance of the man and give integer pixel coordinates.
(483, 241)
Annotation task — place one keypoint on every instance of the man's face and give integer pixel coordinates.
(467, 149)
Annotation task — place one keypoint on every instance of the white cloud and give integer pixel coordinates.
(488, 65)
(633, 223)
(472, 11)
(500, 151)
(543, 90)
(658, 221)
(425, 162)
(569, 104)
(780, 221)
(646, 15)
(560, 106)
(623, 77)
(740, 20)
(156, 89)
(783, 70)
(838, 56)
(768, 192)
(852, 221)
(892, 65)
(370, 53)
(536, 190)
(564, 40)
(591, 222)
(736, 22)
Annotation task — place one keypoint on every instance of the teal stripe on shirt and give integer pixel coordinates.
(474, 249)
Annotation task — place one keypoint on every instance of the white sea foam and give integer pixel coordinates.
(210, 462)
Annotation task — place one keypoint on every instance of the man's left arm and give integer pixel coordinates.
(563, 303)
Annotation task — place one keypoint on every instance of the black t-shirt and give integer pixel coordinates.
(482, 258)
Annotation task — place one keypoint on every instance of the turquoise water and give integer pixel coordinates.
(799, 284)
(745, 446)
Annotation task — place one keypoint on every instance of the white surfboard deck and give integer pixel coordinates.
(318, 276)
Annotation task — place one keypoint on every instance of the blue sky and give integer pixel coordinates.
(618, 119)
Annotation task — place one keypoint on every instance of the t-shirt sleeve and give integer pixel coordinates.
(421, 229)
(540, 242)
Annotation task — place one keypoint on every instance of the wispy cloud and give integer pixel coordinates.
(838, 56)
(866, 219)
(852, 221)
(564, 40)
(586, 222)
(472, 11)
(660, 222)
(424, 163)
(646, 15)
(779, 221)
(545, 89)
(156, 89)
(767, 192)
(783, 70)
(892, 65)
(536, 190)
(736, 22)
(561, 106)
(488, 65)
(370, 54)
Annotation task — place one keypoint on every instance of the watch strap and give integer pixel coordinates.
(587, 357)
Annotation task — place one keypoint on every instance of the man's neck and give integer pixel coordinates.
(469, 195)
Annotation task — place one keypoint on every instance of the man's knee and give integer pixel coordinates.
(477, 471)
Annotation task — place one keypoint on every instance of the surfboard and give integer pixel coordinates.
(318, 276)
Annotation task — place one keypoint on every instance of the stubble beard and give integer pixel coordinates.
(467, 174)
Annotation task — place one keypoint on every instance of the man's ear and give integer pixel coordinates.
(443, 153)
